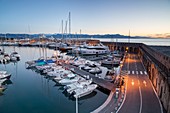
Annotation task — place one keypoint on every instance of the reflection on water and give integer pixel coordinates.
(7, 82)
(29, 92)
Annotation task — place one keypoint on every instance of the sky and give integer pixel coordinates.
(141, 17)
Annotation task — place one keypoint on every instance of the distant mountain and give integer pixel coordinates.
(165, 35)
(68, 36)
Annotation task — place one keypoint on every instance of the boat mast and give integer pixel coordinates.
(129, 37)
(80, 33)
(69, 25)
(3, 45)
(65, 31)
(62, 28)
(39, 44)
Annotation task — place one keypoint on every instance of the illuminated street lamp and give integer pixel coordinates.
(127, 48)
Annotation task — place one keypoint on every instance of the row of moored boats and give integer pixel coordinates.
(5, 57)
(73, 83)
(83, 49)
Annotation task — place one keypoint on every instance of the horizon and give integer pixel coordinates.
(142, 18)
(116, 35)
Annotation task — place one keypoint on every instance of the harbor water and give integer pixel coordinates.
(147, 41)
(29, 92)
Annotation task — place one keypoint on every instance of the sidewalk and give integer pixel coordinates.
(113, 102)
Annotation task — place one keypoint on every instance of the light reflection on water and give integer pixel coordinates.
(30, 92)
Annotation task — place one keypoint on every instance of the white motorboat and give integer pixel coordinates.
(113, 61)
(76, 61)
(62, 75)
(86, 68)
(79, 84)
(3, 60)
(4, 75)
(54, 45)
(25, 44)
(13, 58)
(45, 71)
(87, 89)
(42, 68)
(95, 70)
(7, 57)
(92, 50)
(15, 55)
(71, 78)
(64, 47)
(56, 72)
(52, 68)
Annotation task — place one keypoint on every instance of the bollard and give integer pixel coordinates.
(117, 93)
(122, 95)
(118, 104)
(116, 108)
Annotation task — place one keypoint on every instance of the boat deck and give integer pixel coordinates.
(101, 82)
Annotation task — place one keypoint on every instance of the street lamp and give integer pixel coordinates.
(76, 104)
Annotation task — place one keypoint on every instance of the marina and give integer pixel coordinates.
(42, 92)
(73, 76)
(91, 56)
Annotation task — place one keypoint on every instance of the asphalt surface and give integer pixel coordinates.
(140, 96)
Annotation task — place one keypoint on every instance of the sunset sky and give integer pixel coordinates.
(141, 17)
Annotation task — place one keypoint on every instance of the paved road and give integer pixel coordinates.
(140, 96)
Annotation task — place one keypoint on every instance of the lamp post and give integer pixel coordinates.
(76, 104)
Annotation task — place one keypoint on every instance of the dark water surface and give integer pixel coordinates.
(30, 92)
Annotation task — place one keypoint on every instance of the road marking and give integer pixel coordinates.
(145, 72)
(128, 72)
(144, 82)
(140, 110)
(141, 72)
(132, 72)
(137, 72)
(157, 96)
